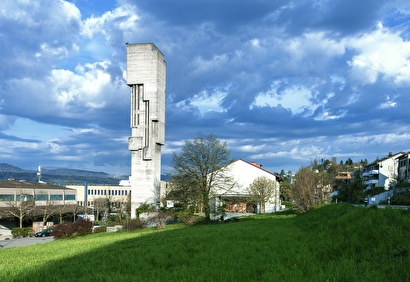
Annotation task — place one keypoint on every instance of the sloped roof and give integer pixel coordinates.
(29, 185)
(389, 156)
(259, 166)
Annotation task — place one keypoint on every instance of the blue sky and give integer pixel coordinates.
(282, 82)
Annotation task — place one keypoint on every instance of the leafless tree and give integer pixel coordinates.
(21, 208)
(261, 190)
(304, 190)
(101, 206)
(76, 209)
(46, 211)
(200, 169)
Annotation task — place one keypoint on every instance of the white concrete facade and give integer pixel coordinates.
(146, 76)
(88, 194)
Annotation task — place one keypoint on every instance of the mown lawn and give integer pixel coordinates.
(332, 243)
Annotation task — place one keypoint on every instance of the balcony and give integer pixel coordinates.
(370, 172)
(371, 181)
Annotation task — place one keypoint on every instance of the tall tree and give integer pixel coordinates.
(304, 188)
(261, 190)
(201, 168)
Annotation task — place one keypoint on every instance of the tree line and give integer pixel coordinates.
(199, 170)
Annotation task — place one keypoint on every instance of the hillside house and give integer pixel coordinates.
(236, 199)
(404, 167)
(382, 172)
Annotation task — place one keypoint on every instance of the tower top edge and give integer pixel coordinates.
(144, 44)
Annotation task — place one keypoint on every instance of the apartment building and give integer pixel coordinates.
(382, 172)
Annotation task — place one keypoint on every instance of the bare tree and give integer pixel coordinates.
(101, 206)
(261, 190)
(76, 209)
(304, 190)
(46, 211)
(200, 169)
(21, 207)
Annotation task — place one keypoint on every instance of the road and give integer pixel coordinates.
(24, 241)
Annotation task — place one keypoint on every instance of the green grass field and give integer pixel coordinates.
(331, 243)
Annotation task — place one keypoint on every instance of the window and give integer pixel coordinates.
(6, 198)
(56, 197)
(24, 198)
(70, 197)
(41, 197)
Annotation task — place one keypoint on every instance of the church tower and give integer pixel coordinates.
(146, 75)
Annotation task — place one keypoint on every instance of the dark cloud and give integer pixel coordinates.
(282, 81)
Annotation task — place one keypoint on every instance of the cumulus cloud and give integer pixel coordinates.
(282, 81)
(380, 54)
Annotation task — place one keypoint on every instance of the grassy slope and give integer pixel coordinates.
(333, 243)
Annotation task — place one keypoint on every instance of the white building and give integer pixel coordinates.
(146, 77)
(382, 172)
(87, 195)
(236, 198)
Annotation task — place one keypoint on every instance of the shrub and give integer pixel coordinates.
(100, 229)
(67, 230)
(188, 218)
(62, 230)
(143, 208)
(18, 232)
(160, 218)
(82, 227)
(133, 224)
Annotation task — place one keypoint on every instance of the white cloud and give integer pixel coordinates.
(87, 87)
(123, 18)
(388, 104)
(380, 53)
(206, 103)
(296, 98)
(202, 65)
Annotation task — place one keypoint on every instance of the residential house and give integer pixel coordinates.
(404, 168)
(236, 198)
(342, 180)
(382, 172)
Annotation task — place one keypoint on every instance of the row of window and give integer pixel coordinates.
(104, 192)
(39, 197)
(91, 204)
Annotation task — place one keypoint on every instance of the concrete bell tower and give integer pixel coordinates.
(146, 76)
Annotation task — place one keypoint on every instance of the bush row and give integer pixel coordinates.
(69, 230)
(18, 232)
(159, 219)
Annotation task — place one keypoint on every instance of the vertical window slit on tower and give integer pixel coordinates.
(137, 94)
(146, 123)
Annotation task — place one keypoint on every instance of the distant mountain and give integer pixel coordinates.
(59, 176)
(74, 172)
(9, 168)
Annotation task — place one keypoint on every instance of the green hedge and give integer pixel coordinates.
(18, 232)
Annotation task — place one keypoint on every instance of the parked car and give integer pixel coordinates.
(5, 233)
(43, 233)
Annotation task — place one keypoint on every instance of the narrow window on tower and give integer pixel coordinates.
(146, 123)
(134, 103)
